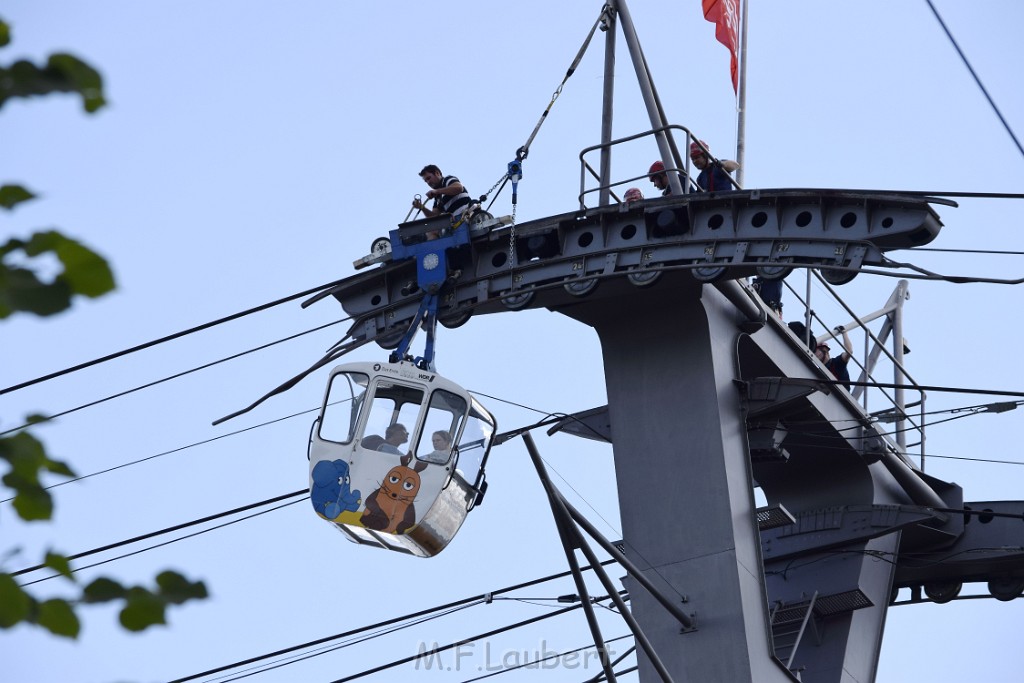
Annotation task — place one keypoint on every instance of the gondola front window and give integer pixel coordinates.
(340, 413)
(441, 426)
(394, 411)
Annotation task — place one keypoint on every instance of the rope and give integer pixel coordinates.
(525, 149)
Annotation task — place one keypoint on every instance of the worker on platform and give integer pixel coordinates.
(659, 177)
(449, 194)
(837, 365)
(714, 173)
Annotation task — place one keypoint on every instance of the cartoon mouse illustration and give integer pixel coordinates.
(390, 508)
(330, 492)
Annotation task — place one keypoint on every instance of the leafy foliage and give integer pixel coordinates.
(10, 195)
(84, 272)
(143, 607)
(24, 288)
(27, 459)
(62, 73)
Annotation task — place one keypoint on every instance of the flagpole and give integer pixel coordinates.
(741, 118)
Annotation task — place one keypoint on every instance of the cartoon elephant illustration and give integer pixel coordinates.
(329, 492)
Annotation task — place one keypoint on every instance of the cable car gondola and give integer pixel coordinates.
(374, 470)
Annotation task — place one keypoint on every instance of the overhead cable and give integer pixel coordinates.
(475, 598)
(170, 337)
(977, 80)
(556, 655)
(443, 648)
(176, 527)
(160, 545)
(175, 376)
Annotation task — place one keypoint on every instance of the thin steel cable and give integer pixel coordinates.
(170, 337)
(977, 80)
(387, 622)
(175, 376)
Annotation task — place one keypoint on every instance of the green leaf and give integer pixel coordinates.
(12, 195)
(176, 589)
(142, 609)
(60, 564)
(62, 73)
(85, 271)
(103, 590)
(31, 501)
(15, 604)
(58, 618)
(84, 79)
(27, 458)
(23, 291)
(5, 33)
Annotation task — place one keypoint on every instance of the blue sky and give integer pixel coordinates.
(254, 150)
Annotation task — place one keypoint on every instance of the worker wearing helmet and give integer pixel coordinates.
(714, 173)
(660, 179)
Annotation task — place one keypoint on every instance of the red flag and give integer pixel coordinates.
(725, 14)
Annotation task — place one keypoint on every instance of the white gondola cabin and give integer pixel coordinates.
(397, 455)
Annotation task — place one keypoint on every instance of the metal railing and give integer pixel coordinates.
(682, 167)
(873, 348)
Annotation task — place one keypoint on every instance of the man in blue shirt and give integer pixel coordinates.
(714, 176)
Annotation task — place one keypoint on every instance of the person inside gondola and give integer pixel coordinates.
(394, 436)
(442, 443)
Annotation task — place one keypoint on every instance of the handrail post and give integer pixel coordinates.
(606, 110)
(898, 377)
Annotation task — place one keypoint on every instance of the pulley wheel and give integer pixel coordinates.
(837, 277)
(514, 302)
(707, 273)
(581, 287)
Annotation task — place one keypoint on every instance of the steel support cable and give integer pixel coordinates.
(523, 151)
(170, 529)
(175, 450)
(327, 649)
(894, 558)
(955, 279)
(170, 337)
(464, 641)
(457, 603)
(977, 80)
(965, 458)
(160, 545)
(969, 251)
(176, 376)
(876, 417)
(558, 655)
(844, 446)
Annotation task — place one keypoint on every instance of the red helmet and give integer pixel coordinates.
(656, 167)
(695, 149)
